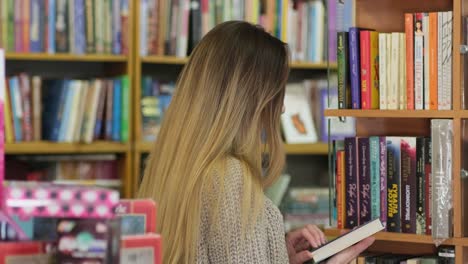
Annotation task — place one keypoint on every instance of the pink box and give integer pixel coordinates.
(144, 249)
(27, 199)
(138, 216)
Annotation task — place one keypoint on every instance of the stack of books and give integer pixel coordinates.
(62, 26)
(66, 110)
(397, 71)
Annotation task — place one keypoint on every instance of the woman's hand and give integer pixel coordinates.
(300, 240)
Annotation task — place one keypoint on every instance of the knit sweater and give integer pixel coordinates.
(264, 244)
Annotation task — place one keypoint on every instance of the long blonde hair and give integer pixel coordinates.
(228, 96)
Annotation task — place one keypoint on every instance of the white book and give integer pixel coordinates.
(418, 69)
(402, 71)
(182, 28)
(447, 61)
(440, 78)
(85, 89)
(143, 26)
(77, 91)
(292, 32)
(96, 86)
(344, 241)
(319, 29)
(304, 33)
(388, 67)
(383, 70)
(427, 79)
(393, 93)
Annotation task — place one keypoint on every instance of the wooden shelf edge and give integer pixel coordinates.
(402, 237)
(393, 113)
(65, 57)
(44, 147)
(180, 61)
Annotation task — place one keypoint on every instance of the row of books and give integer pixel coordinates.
(62, 26)
(155, 98)
(444, 255)
(66, 110)
(404, 181)
(398, 71)
(175, 27)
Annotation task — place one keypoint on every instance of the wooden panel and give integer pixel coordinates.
(44, 147)
(402, 248)
(387, 15)
(392, 127)
(65, 57)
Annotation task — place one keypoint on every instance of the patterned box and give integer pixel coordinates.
(26, 199)
(138, 216)
(141, 249)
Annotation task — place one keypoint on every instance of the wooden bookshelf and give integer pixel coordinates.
(65, 57)
(45, 147)
(392, 113)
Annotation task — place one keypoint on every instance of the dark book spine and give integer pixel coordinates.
(428, 183)
(364, 181)
(61, 26)
(393, 184)
(408, 184)
(352, 184)
(109, 107)
(100, 109)
(383, 180)
(355, 68)
(420, 187)
(343, 71)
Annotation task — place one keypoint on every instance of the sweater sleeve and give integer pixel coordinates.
(254, 249)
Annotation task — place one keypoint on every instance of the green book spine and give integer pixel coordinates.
(11, 25)
(3, 24)
(125, 107)
(375, 176)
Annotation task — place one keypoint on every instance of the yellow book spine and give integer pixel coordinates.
(255, 11)
(8, 118)
(374, 86)
(284, 22)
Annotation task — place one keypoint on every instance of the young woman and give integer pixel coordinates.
(208, 167)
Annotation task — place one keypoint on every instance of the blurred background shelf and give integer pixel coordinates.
(45, 147)
(65, 57)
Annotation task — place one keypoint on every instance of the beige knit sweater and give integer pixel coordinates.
(266, 244)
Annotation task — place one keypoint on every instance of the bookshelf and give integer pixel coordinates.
(387, 16)
(82, 66)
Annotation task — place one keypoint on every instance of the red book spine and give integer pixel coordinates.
(339, 187)
(26, 24)
(365, 70)
(409, 30)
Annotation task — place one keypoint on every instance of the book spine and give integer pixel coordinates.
(34, 38)
(428, 184)
(125, 108)
(107, 26)
(402, 71)
(374, 177)
(4, 24)
(17, 28)
(441, 134)
(433, 60)
(80, 27)
(65, 114)
(51, 26)
(25, 24)
(420, 187)
(365, 40)
(117, 110)
(109, 113)
(99, 26)
(117, 28)
(56, 114)
(440, 48)
(61, 27)
(374, 70)
(124, 17)
(409, 32)
(408, 184)
(354, 67)
(383, 49)
(393, 184)
(352, 183)
(393, 93)
(383, 179)
(447, 61)
(418, 62)
(9, 130)
(11, 25)
(17, 111)
(426, 30)
(71, 16)
(331, 8)
(343, 71)
(364, 181)
(100, 109)
(90, 26)
(36, 102)
(143, 27)
(26, 100)
(340, 162)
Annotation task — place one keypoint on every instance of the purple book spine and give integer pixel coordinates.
(332, 30)
(354, 66)
(408, 184)
(352, 184)
(364, 181)
(383, 180)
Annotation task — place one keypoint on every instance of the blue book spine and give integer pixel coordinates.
(63, 117)
(375, 176)
(16, 107)
(56, 113)
(348, 18)
(117, 110)
(116, 28)
(279, 18)
(51, 27)
(355, 67)
(80, 33)
(34, 26)
(312, 39)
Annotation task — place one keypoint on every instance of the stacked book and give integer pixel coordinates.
(397, 71)
(175, 27)
(404, 181)
(62, 26)
(66, 110)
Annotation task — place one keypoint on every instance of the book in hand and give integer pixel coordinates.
(346, 240)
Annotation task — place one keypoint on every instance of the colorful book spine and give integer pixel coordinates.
(51, 26)
(65, 115)
(71, 16)
(11, 25)
(61, 26)
(117, 110)
(418, 62)
(109, 110)
(433, 60)
(427, 78)
(383, 49)
(393, 184)
(89, 9)
(124, 16)
(35, 15)
(374, 70)
(116, 28)
(383, 179)
(26, 104)
(100, 110)
(16, 107)
(420, 186)
(352, 183)
(408, 184)
(340, 186)
(344, 101)
(374, 177)
(440, 57)
(331, 8)
(354, 67)
(9, 132)
(18, 31)
(80, 27)
(4, 25)
(99, 25)
(63, 87)
(364, 180)
(25, 24)
(409, 32)
(125, 108)
(402, 71)
(143, 27)
(393, 102)
(428, 183)
(365, 45)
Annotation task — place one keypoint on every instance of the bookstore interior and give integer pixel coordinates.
(375, 124)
